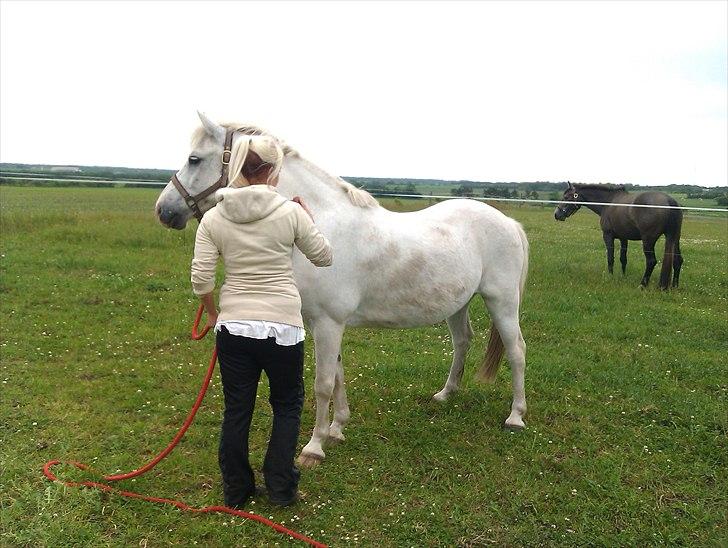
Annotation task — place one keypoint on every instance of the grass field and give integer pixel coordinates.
(627, 437)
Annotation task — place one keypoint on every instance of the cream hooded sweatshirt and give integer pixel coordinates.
(254, 229)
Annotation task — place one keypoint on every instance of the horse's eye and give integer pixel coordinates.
(575, 196)
(193, 160)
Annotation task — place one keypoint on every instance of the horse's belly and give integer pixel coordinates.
(412, 307)
(628, 232)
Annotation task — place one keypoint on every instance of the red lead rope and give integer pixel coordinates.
(152, 463)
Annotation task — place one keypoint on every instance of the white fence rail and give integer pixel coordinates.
(377, 194)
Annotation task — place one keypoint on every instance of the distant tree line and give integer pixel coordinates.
(472, 191)
(406, 188)
(87, 172)
(719, 194)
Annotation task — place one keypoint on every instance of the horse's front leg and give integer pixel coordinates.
(648, 246)
(623, 255)
(609, 242)
(341, 406)
(327, 340)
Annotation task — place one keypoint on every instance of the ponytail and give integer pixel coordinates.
(238, 154)
(265, 147)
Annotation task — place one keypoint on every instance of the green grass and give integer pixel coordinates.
(627, 389)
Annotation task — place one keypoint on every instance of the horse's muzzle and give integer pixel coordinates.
(170, 219)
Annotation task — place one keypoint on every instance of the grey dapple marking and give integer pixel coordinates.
(390, 269)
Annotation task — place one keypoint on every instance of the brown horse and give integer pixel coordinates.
(632, 223)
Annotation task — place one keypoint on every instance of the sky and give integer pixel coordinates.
(615, 91)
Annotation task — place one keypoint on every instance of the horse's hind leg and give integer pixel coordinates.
(609, 242)
(462, 334)
(623, 255)
(327, 339)
(677, 264)
(648, 247)
(503, 310)
(341, 406)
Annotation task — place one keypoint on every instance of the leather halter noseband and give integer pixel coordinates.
(562, 208)
(193, 201)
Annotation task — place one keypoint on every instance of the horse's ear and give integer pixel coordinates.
(570, 185)
(211, 127)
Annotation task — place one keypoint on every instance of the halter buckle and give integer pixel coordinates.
(224, 161)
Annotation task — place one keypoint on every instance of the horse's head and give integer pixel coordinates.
(566, 209)
(202, 170)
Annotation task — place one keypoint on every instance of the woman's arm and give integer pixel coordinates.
(204, 263)
(310, 241)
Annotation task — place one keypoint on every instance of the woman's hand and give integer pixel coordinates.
(300, 202)
(208, 301)
(211, 320)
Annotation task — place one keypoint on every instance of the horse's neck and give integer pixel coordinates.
(321, 191)
(597, 195)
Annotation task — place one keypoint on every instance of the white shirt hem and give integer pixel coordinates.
(284, 334)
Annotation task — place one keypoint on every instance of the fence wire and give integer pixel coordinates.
(385, 194)
(535, 201)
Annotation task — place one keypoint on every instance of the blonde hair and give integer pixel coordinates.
(267, 149)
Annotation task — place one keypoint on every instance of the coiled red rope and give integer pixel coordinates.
(167, 450)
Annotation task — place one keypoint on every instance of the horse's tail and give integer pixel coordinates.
(494, 351)
(673, 228)
(492, 359)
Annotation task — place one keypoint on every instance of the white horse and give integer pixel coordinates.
(390, 270)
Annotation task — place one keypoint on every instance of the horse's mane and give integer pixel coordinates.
(610, 187)
(357, 196)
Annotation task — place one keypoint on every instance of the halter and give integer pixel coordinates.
(562, 208)
(576, 206)
(194, 201)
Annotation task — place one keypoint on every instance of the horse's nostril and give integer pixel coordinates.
(165, 215)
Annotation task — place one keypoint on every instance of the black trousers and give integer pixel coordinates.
(241, 361)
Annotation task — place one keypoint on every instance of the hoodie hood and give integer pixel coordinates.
(248, 204)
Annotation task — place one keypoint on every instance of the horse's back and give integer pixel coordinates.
(462, 212)
(470, 222)
(655, 198)
(635, 223)
(457, 204)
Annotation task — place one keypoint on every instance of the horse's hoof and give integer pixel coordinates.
(309, 460)
(335, 440)
(441, 396)
(514, 426)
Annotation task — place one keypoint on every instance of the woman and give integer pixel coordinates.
(259, 327)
